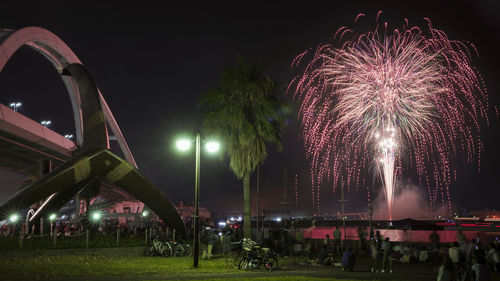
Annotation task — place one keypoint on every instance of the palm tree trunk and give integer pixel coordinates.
(247, 223)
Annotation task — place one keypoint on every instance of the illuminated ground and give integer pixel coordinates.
(103, 264)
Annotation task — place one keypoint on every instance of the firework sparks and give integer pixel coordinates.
(381, 99)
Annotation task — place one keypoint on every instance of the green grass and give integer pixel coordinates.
(73, 266)
(276, 278)
(67, 266)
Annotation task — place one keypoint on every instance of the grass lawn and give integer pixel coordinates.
(81, 266)
(277, 278)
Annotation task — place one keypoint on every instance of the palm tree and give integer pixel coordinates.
(244, 113)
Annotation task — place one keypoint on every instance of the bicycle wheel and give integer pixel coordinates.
(166, 250)
(271, 263)
(243, 264)
(233, 259)
(187, 250)
(179, 250)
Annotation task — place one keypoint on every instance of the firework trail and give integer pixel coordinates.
(376, 100)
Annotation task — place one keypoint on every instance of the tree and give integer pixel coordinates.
(243, 111)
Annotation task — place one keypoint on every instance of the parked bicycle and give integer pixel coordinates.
(180, 249)
(249, 255)
(168, 249)
(158, 248)
(234, 255)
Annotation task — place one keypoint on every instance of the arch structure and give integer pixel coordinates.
(60, 55)
(93, 163)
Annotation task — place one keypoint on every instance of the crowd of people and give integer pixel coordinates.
(465, 259)
(468, 259)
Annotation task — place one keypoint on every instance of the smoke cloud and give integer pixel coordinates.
(410, 201)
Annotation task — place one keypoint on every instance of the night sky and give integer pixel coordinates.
(152, 64)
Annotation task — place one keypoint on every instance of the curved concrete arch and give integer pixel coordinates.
(93, 163)
(60, 55)
(70, 177)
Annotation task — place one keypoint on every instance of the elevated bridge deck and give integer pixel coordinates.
(25, 142)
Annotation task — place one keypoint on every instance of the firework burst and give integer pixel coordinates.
(376, 100)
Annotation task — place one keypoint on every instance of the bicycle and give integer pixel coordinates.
(258, 257)
(180, 249)
(246, 254)
(158, 248)
(234, 256)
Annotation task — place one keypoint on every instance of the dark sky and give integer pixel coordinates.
(152, 63)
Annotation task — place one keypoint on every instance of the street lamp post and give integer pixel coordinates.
(52, 217)
(196, 223)
(211, 147)
(15, 105)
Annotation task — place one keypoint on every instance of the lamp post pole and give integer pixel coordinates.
(211, 146)
(196, 222)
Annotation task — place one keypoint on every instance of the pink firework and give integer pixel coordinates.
(376, 100)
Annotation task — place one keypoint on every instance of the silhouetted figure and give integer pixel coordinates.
(348, 259)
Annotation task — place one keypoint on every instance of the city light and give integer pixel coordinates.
(13, 218)
(15, 105)
(96, 215)
(183, 144)
(68, 136)
(212, 146)
(222, 224)
(145, 213)
(46, 123)
(52, 217)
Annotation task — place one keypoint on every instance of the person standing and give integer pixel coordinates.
(212, 239)
(326, 241)
(434, 239)
(204, 241)
(337, 235)
(362, 238)
(454, 253)
(387, 259)
(374, 254)
(208, 239)
(461, 239)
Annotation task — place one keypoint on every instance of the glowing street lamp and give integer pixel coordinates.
(46, 123)
(52, 217)
(96, 216)
(212, 147)
(183, 144)
(145, 213)
(15, 105)
(14, 218)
